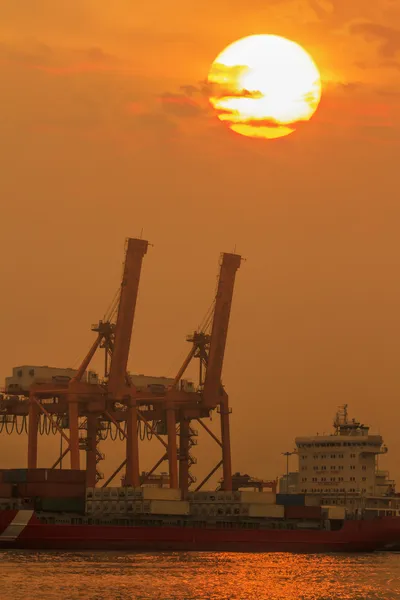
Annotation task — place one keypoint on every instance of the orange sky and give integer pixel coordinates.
(105, 130)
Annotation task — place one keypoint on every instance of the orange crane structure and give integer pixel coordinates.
(80, 406)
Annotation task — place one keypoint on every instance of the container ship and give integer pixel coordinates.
(76, 509)
(54, 510)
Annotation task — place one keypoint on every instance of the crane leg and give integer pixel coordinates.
(73, 418)
(226, 444)
(184, 456)
(91, 451)
(132, 446)
(172, 451)
(33, 433)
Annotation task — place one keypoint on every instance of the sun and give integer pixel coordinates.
(264, 86)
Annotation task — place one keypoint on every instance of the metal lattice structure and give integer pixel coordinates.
(84, 413)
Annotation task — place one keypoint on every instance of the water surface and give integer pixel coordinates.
(197, 576)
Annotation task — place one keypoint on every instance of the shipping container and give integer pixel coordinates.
(167, 507)
(257, 498)
(15, 476)
(303, 512)
(51, 490)
(334, 512)
(6, 490)
(229, 498)
(290, 499)
(36, 475)
(312, 500)
(274, 511)
(66, 476)
(155, 493)
(63, 504)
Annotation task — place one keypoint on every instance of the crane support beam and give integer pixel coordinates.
(135, 252)
(211, 434)
(91, 463)
(86, 361)
(146, 476)
(172, 449)
(73, 418)
(117, 470)
(226, 443)
(211, 473)
(33, 432)
(132, 476)
(60, 458)
(184, 437)
(223, 302)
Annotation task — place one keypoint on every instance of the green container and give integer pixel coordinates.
(15, 476)
(72, 505)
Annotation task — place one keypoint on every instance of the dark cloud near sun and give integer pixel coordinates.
(180, 105)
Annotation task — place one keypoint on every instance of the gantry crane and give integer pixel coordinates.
(116, 403)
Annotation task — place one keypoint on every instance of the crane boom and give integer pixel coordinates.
(136, 249)
(223, 302)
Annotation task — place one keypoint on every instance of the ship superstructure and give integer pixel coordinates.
(342, 467)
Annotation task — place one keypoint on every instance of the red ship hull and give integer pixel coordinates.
(354, 536)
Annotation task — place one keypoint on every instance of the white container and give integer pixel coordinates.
(257, 498)
(155, 493)
(334, 512)
(274, 511)
(169, 507)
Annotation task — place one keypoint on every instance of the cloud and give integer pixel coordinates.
(180, 105)
(387, 37)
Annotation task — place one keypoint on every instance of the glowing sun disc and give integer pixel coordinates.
(264, 85)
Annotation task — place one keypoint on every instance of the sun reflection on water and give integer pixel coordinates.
(198, 576)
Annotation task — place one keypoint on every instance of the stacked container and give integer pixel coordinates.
(54, 490)
(129, 501)
(235, 504)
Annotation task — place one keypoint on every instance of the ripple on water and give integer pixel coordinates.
(198, 576)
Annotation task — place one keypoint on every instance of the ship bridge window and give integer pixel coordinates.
(19, 373)
(32, 372)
